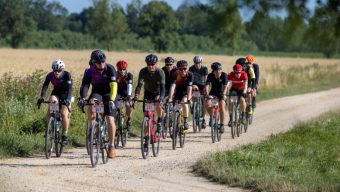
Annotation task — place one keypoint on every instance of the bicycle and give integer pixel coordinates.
(178, 124)
(197, 118)
(215, 129)
(236, 120)
(97, 136)
(149, 135)
(122, 131)
(53, 140)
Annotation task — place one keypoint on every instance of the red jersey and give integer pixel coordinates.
(237, 83)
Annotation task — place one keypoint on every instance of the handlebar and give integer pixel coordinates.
(60, 103)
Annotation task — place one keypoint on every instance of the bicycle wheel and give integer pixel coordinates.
(104, 144)
(194, 116)
(213, 128)
(88, 136)
(217, 127)
(234, 121)
(95, 144)
(181, 137)
(166, 122)
(156, 140)
(145, 138)
(119, 130)
(49, 137)
(59, 146)
(199, 118)
(175, 130)
(238, 123)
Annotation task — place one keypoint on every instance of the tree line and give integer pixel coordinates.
(215, 27)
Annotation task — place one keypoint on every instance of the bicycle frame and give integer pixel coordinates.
(215, 133)
(236, 125)
(197, 111)
(178, 125)
(121, 132)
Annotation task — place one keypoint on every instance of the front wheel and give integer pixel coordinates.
(94, 143)
(194, 117)
(104, 144)
(175, 130)
(156, 140)
(145, 138)
(49, 137)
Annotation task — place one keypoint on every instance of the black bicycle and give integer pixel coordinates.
(53, 132)
(197, 117)
(122, 131)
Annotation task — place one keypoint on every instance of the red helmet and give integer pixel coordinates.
(237, 68)
(121, 64)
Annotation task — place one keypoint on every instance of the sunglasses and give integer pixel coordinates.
(57, 71)
(151, 64)
(168, 64)
(182, 69)
(121, 69)
(237, 72)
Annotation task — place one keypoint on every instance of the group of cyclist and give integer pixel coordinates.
(161, 85)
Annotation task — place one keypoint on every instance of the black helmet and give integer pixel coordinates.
(241, 61)
(182, 63)
(169, 60)
(151, 59)
(98, 56)
(216, 66)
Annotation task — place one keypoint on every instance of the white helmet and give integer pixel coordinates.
(58, 65)
(197, 59)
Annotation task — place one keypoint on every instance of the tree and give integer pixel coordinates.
(15, 21)
(158, 21)
(133, 12)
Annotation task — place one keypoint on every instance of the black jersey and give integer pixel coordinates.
(217, 83)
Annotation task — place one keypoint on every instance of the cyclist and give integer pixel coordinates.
(218, 81)
(251, 81)
(168, 69)
(250, 60)
(154, 85)
(102, 77)
(200, 74)
(62, 91)
(239, 83)
(181, 88)
(125, 80)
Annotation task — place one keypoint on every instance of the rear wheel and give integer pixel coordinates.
(156, 140)
(59, 146)
(94, 144)
(145, 138)
(199, 118)
(49, 138)
(217, 127)
(104, 138)
(166, 121)
(194, 117)
(234, 121)
(88, 136)
(213, 130)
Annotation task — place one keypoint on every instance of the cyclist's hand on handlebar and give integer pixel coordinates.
(112, 105)
(40, 101)
(67, 102)
(81, 102)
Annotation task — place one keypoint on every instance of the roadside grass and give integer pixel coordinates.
(23, 125)
(306, 158)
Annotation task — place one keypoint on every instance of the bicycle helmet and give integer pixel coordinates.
(98, 56)
(197, 59)
(241, 61)
(58, 65)
(250, 58)
(169, 60)
(121, 64)
(182, 63)
(151, 59)
(216, 66)
(237, 67)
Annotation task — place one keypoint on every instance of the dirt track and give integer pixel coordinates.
(168, 172)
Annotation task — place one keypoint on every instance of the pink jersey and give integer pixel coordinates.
(237, 83)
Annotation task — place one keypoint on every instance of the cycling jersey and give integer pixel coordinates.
(168, 77)
(199, 75)
(154, 83)
(217, 84)
(101, 82)
(182, 83)
(123, 83)
(257, 74)
(62, 85)
(251, 76)
(238, 82)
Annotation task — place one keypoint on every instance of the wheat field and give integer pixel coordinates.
(21, 62)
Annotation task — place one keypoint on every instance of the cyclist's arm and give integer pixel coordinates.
(172, 90)
(129, 85)
(113, 83)
(189, 88)
(70, 86)
(85, 84)
(139, 83)
(45, 86)
(257, 74)
(225, 84)
(251, 81)
(162, 85)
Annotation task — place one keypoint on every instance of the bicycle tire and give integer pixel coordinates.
(94, 144)
(175, 131)
(213, 126)
(194, 117)
(181, 138)
(238, 123)
(145, 138)
(87, 137)
(59, 146)
(233, 121)
(166, 122)
(156, 140)
(199, 119)
(49, 138)
(104, 143)
(217, 128)
(118, 134)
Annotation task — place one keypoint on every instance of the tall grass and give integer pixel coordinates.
(303, 159)
(22, 124)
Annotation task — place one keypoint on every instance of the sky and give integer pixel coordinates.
(76, 6)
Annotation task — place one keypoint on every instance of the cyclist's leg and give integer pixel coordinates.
(128, 112)
(110, 113)
(53, 99)
(232, 92)
(243, 105)
(185, 112)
